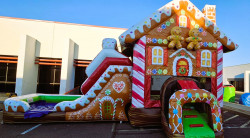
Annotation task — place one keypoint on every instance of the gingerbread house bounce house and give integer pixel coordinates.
(177, 70)
(174, 79)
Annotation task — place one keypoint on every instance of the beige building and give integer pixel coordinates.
(238, 75)
(46, 56)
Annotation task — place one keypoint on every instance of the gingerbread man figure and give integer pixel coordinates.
(193, 39)
(175, 38)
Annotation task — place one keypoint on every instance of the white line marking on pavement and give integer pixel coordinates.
(244, 125)
(231, 118)
(31, 129)
(139, 130)
(234, 127)
(113, 127)
(113, 130)
(225, 112)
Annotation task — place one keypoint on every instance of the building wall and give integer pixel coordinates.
(29, 39)
(234, 72)
(237, 72)
(51, 36)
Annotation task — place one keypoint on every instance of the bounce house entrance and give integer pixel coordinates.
(197, 120)
(189, 109)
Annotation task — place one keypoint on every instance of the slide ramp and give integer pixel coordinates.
(106, 91)
(195, 124)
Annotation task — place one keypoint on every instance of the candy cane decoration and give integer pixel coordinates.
(118, 99)
(138, 73)
(219, 73)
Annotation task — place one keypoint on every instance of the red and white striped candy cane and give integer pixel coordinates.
(138, 73)
(219, 73)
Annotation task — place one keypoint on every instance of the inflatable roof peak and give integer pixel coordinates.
(167, 11)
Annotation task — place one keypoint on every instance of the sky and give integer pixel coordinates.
(232, 16)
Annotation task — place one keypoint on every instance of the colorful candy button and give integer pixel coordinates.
(159, 41)
(204, 95)
(182, 12)
(179, 120)
(159, 29)
(210, 44)
(200, 29)
(159, 71)
(205, 44)
(154, 71)
(171, 20)
(196, 26)
(154, 40)
(215, 45)
(193, 23)
(213, 74)
(168, 23)
(165, 71)
(204, 33)
(208, 73)
(203, 73)
(163, 26)
(149, 40)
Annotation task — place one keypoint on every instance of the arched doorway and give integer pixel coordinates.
(182, 67)
(181, 97)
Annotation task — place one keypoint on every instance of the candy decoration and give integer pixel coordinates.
(139, 61)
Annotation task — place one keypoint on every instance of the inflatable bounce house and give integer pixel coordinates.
(173, 78)
(245, 99)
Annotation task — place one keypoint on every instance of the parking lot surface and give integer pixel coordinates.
(235, 126)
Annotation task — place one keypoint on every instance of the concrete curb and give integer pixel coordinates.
(237, 109)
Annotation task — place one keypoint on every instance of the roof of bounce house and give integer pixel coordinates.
(167, 11)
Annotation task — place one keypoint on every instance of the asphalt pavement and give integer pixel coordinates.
(235, 126)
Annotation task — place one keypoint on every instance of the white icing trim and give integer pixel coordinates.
(198, 14)
(216, 29)
(229, 41)
(208, 22)
(190, 6)
(109, 43)
(222, 35)
(100, 57)
(180, 50)
(190, 65)
(107, 98)
(177, 4)
(166, 9)
(14, 103)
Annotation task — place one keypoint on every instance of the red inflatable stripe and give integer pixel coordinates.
(196, 125)
(188, 84)
(186, 109)
(100, 70)
(190, 116)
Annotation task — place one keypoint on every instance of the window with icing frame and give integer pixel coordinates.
(157, 56)
(182, 21)
(206, 58)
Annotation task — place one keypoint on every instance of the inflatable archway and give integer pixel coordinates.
(181, 97)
